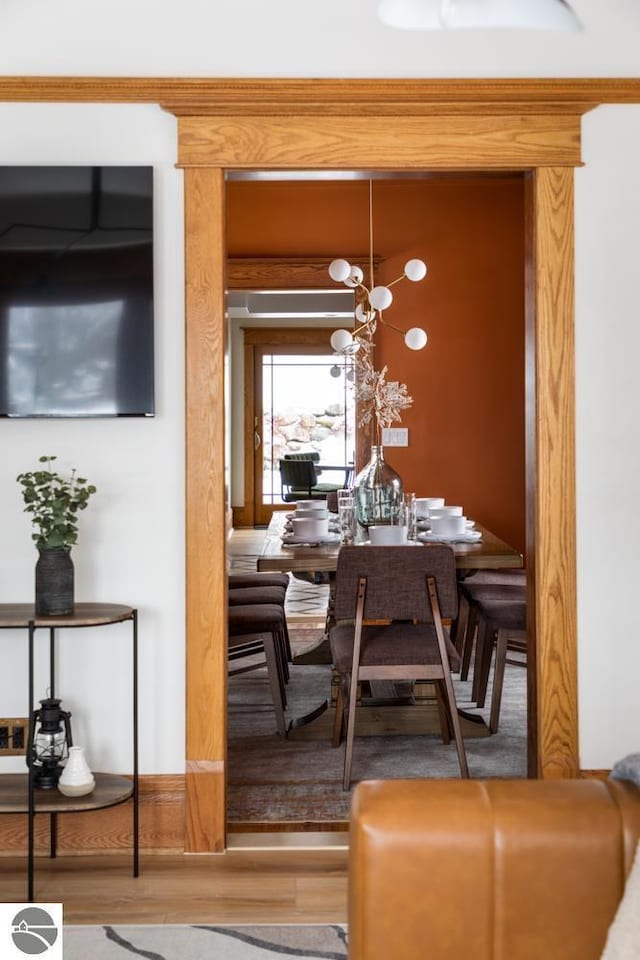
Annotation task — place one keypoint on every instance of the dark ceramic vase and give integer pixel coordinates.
(54, 582)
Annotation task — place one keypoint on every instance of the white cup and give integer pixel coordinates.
(424, 504)
(387, 534)
(311, 505)
(448, 526)
(309, 514)
(310, 527)
(445, 512)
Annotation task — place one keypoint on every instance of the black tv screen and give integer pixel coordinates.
(76, 291)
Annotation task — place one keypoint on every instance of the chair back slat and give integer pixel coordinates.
(396, 581)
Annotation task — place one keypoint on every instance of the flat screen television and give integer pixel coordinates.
(76, 291)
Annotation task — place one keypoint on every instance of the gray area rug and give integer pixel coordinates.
(276, 779)
(202, 942)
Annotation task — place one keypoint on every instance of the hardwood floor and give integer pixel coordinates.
(239, 887)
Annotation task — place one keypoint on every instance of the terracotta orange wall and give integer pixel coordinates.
(466, 425)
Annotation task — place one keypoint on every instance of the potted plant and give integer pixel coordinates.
(54, 502)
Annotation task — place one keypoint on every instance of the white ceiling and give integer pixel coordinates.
(289, 38)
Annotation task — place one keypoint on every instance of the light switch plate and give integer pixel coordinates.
(395, 437)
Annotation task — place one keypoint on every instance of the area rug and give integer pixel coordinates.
(300, 778)
(203, 942)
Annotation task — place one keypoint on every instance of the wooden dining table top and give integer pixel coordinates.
(488, 553)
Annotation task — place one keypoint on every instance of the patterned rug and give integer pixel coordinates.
(202, 942)
(300, 778)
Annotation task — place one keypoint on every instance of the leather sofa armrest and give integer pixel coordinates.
(515, 870)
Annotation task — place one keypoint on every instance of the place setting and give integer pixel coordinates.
(310, 525)
(438, 522)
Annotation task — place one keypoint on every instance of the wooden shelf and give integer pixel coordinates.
(109, 791)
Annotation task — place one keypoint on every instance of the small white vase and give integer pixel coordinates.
(76, 779)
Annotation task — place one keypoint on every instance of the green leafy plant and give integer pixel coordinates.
(53, 502)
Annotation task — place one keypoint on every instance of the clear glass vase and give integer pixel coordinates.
(377, 492)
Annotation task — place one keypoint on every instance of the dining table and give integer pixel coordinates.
(489, 552)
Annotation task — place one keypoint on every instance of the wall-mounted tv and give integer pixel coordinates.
(76, 291)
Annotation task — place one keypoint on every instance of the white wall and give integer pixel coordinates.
(608, 433)
(288, 38)
(131, 540)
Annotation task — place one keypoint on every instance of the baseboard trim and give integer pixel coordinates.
(162, 806)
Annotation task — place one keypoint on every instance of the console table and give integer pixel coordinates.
(17, 791)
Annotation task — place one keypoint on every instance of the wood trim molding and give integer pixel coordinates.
(323, 97)
(290, 273)
(554, 547)
(162, 799)
(487, 142)
(206, 511)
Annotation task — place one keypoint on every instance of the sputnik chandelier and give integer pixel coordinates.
(372, 300)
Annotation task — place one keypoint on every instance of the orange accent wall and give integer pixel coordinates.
(466, 425)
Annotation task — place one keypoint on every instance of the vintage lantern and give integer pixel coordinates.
(49, 742)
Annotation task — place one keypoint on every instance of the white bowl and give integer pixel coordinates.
(310, 527)
(448, 526)
(311, 504)
(424, 504)
(387, 534)
(445, 512)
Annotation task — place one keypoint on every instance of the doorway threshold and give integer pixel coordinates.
(294, 839)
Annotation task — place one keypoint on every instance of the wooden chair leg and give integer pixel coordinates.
(457, 635)
(455, 723)
(502, 642)
(467, 641)
(443, 713)
(338, 718)
(275, 682)
(351, 725)
(482, 664)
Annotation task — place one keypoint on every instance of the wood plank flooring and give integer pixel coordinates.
(238, 887)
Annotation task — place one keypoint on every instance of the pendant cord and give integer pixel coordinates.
(371, 279)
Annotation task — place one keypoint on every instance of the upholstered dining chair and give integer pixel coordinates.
(389, 606)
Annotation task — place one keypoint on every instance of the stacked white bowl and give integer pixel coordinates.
(447, 521)
(311, 519)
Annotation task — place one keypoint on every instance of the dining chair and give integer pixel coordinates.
(390, 602)
(299, 481)
(257, 628)
(501, 625)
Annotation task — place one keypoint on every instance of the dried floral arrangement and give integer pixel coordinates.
(380, 400)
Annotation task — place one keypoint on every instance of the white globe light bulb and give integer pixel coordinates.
(339, 270)
(340, 340)
(415, 270)
(363, 313)
(355, 278)
(381, 298)
(415, 338)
